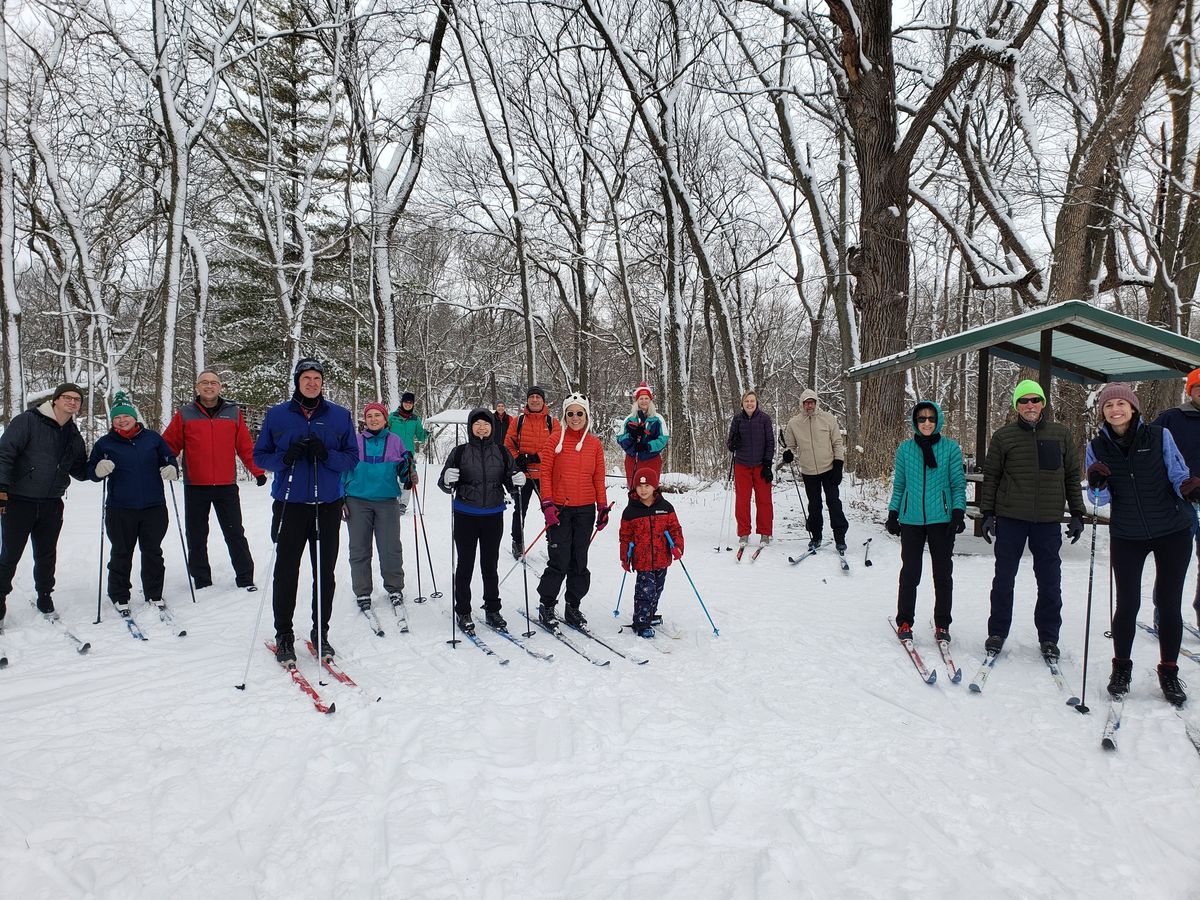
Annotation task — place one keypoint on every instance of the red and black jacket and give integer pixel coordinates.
(643, 526)
(210, 439)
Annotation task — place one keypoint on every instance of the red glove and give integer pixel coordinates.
(550, 511)
(626, 563)
(601, 517)
(1097, 475)
(1190, 489)
(677, 552)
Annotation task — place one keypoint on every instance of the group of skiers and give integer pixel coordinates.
(326, 470)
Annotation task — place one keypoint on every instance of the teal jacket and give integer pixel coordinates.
(409, 430)
(925, 496)
(381, 471)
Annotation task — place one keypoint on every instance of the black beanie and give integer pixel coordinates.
(535, 389)
(408, 397)
(64, 388)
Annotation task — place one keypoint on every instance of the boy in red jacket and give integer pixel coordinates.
(644, 546)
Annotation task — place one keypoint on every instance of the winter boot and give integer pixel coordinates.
(646, 631)
(122, 607)
(285, 649)
(655, 619)
(364, 603)
(1122, 674)
(495, 620)
(1049, 651)
(994, 644)
(45, 605)
(574, 617)
(743, 540)
(904, 631)
(764, 540)
(941, 634)
(815, 544)
(1172, 687)
(547, 616)
(465, 623)
(839, 543)
(396, 598)
(326, 649)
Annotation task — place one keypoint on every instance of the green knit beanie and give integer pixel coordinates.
(121, 406)
(1025, 388)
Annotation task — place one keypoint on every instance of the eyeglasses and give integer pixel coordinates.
(926, 419)
(209, 383)
(1029, 401)
(72, 398)
(576, 415)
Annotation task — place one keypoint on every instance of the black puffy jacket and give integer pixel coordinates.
(39, 457)
(485, 469)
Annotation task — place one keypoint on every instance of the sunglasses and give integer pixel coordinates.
(576, 415)
(1029, 401)
(926, 418)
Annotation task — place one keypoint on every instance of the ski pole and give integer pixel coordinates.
(182, 544)
(319, 625)
(524, 554)
(100, 568)
(624, 575)
(435, 593)
(454, 641)
(867, 552)
(420, 598)
(1081, 707)
(725, 508)
(693, 584)
(262, 603)
(596, 531)
(524, 569)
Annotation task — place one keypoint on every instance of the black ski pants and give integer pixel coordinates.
(25, 521)
(143, 529)
(913, 539)
(484, 533)
(813, 486)
(223, 498)
(568, 547)
(1172, 555)
(297, 525)
(523, 496)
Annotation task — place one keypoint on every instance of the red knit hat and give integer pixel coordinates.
(642, 388)
(375, 404)
(1193, 380)
(645, 476)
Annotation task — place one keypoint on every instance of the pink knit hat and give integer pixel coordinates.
(376, 405)
(643, 388)
(1118, 390)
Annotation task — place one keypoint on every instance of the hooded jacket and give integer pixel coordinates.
(642, 527)
(39, 457)
(383, 467)
(485, 471)
(816, 439)
(925, 496)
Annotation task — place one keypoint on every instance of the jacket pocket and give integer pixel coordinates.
(1050, 454)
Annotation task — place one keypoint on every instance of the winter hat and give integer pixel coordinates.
(478, 413)
(535, 389)
(1025, 388)
(64, 388)
(809, 394)
(308, 364)
(1118, 390)
(645, 476)
(377, 406)
(641, 389)
(1193, 379)
(575, 399)
(122, 406)
(408, 397)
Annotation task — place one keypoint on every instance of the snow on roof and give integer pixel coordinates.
(449, 417)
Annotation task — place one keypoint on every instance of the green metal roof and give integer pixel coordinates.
(1091, 345)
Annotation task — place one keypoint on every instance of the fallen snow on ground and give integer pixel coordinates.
(796, 755)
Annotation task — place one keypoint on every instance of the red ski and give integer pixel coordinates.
(303, 683)
(331, 667)
(928, 676)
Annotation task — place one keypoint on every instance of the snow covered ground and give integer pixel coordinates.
(796, 755)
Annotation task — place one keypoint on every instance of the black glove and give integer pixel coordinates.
(838, 465)
(1190, 489)
(295, 452)
(522, 461)
(989, 526)
(735, 440)
(260, 480)
(317, 451)
(788, 456)
(957, 522)
(635, 427)
(1075, 528)
(1097, 475)
(767, 474)
(893, 523)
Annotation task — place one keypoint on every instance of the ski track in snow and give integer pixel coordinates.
(764, 763)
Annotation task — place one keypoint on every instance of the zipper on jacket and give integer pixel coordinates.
(1137, 500)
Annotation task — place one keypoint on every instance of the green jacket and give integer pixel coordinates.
(1031, 472)
(925, 496)
(409, 430)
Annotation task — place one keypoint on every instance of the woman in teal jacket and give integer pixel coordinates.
(929, 498)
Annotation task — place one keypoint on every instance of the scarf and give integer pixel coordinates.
(926, 445)
(309, 406)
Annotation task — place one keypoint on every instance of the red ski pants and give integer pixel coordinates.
(747, 480)
(632, 466)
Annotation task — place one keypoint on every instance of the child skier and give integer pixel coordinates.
(644, 546)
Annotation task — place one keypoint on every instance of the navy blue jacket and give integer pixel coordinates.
(755, 438)
(135, 483)
(1183, 421)
(285, 423)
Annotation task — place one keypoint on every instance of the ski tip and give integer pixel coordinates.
(932, 679)
(84, 648)
(975, 688)
(183, 633)
(3, 662)
(332, 709)
(956, 677)
(1108, 744)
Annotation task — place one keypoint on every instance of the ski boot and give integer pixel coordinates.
(1122, 674)
(45, 605)
(495, 620)
(574, 617)
(1049, 651)
(122, 608)
(396, 598)
(941, 634)
(326, 649)
(547, 616)
(994, 644)
(465, 623)
(364, 603)
(285, 649)
(1172, 687)
(904, 631)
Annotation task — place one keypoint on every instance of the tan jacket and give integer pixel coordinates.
(816, 440)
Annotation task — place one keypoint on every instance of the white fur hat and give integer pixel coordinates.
(575, 399)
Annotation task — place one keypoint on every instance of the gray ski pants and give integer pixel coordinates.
(379, 519)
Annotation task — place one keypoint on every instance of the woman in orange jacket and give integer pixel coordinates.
(573, 497)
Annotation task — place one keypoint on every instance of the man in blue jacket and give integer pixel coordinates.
(308, 443)
(1183, 421)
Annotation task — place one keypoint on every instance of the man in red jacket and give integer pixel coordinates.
(211, 432)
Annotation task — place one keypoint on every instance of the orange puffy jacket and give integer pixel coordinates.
(573, 474)
(533, 433)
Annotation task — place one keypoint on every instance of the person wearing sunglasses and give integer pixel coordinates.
(573, 498)
(1031, 472)
(928, 505)
(40, 452)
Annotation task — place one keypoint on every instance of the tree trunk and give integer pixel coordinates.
(13, 398)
